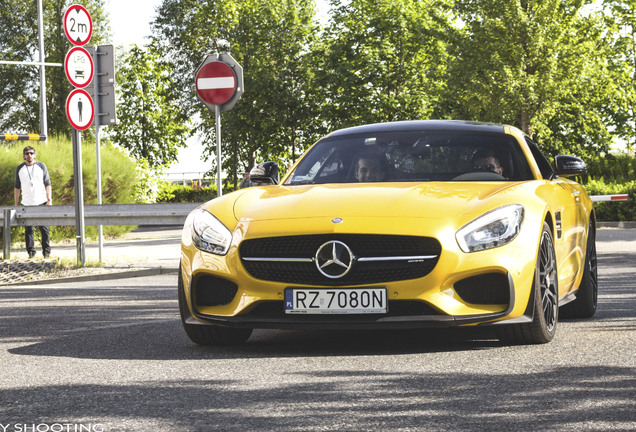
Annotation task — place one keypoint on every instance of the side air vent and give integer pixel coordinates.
(213, 291)
(489, 288)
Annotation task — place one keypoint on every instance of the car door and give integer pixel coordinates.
(564, 200)
(572, 234)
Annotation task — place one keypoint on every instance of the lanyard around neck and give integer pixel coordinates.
(30, 173)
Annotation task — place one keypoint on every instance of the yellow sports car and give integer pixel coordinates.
(396, 225)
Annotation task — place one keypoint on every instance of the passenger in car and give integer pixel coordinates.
(486, 160)
(370, 168)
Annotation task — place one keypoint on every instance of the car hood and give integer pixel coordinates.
(405, 200)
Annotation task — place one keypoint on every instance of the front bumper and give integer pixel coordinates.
(259, 304)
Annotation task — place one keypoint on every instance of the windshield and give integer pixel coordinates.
(412, 156)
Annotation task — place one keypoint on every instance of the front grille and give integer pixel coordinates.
(489, 288)
(361, 245)
(213, 291)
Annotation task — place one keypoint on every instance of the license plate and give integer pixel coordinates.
(336, 301)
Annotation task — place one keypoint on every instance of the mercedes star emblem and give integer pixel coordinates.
(334, 259)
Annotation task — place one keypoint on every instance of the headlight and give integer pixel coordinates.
(208, 233)
(492, 229)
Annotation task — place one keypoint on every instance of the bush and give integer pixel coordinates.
(118, 178)
(613, 168)
(175, 193)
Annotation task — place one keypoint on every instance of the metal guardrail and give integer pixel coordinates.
(94, 214)
(121, 214)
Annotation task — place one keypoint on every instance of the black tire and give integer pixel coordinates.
(545, 297)
(584, 306)
(208, 334)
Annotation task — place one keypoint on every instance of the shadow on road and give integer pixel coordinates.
(564, 398)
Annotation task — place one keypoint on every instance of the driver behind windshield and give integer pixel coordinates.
(487, 161)
(369, 168)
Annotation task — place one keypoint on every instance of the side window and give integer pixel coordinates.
(542, 162)
(331, 169)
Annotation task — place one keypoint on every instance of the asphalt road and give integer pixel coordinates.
(111, 356)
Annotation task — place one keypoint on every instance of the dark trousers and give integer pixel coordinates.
(30, 242)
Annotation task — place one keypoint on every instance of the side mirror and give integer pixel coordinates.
(263, 174)
(569, 166)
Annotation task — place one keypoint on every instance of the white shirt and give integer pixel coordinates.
(32, 180)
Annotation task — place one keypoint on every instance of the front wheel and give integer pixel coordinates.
(545, 297)
(208, 334)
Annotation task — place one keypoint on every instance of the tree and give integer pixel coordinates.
(382, 60)
(269, 38)
(150, 124)
(19, 85)
(536, 64)
(621, 19)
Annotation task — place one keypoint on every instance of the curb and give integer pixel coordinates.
(102, 276)
(621, 224)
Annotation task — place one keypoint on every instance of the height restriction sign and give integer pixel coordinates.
(78, 25)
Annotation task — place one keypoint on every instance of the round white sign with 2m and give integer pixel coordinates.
(80, 109)
(78, 66)
(78, 25)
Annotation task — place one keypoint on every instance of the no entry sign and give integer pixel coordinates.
(219, 81)
(219, 84)
(216, 83)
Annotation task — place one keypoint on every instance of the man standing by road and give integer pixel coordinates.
(33, 179)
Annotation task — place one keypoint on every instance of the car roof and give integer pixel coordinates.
(418, 125)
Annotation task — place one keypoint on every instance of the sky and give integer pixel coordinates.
(130, 24)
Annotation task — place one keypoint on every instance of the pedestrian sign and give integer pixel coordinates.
(80, 109)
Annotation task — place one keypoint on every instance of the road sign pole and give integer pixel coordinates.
(80, 109)
(100, 234)
(219, 84)
(43, 114)
(219, 185)
(79, 198)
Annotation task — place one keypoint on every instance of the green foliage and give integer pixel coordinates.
(611, 175)
(540, 65)
(150, 125)
(118, 177)
(173, 193)
(382, 60)
(613, 211)
(563, 74)
(19, 85)
(621, 21)
(612, 168)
